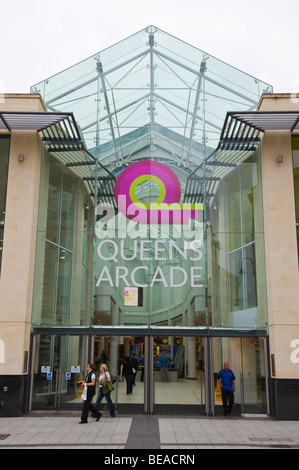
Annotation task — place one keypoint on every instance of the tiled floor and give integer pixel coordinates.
(149, 432)
(64, 431)
(177, 391)
(146, 432)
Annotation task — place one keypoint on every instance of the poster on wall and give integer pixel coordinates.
(131, 296)
(179, 359)
(135, 349)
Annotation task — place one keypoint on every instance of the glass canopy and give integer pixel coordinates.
(151, 91)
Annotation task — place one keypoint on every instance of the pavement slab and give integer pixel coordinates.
(147, 432)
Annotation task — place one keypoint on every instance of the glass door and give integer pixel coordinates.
(247, 358)
(59, 364)
(124, 357)
(254, 376)
(179, 375)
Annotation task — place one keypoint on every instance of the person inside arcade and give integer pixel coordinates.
(226, 378)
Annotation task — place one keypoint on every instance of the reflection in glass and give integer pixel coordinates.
(247, 184)
(236, 281)
(63, 287)
(49, 284)
(67, 212)
(234, 212)
(54, 199)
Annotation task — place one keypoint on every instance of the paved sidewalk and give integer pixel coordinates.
(146, 432)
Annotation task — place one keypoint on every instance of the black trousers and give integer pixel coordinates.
(88, 406)
(227, 400)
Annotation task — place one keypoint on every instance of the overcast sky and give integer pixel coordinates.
(40, 38)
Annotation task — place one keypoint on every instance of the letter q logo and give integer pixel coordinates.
(166, 209)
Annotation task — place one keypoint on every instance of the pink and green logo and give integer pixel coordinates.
(166, 209)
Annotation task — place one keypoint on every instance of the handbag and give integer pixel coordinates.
(112, 378)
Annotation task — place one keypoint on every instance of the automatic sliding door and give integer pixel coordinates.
(254, 376)
(114, 351)
(179, 375)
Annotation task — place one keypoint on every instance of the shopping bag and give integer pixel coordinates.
(84, 393)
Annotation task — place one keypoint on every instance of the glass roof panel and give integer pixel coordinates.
(151, 93)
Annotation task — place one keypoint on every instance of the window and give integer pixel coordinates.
(58, 254)
(242, 261)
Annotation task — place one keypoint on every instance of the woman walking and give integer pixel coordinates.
(105, 389)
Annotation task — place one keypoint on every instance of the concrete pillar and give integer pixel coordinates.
(280, 250)
(19, 248)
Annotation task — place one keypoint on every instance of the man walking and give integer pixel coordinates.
(226, 378)
(164, 363)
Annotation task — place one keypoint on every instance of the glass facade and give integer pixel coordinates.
(201, 274)
(155, 99)
(62, 264)
(175, 237)
(4, 159)
(238, 249)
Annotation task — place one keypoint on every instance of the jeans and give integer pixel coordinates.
(129, 380)
(164, 374)
(108, 400)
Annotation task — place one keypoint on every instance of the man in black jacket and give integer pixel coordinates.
(135, 364)
(90, 382)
